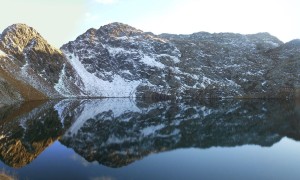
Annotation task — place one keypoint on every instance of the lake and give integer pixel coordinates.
(121, 138)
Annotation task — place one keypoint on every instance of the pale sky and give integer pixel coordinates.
(60, 21)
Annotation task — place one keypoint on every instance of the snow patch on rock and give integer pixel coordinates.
(60, 86)
(152, 62)
(94, 86)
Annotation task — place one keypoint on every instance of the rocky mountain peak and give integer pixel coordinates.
(117, 29)
(117, 59)
(18, 37)
(33, 67)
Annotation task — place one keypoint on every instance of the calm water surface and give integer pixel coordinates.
(112, 139)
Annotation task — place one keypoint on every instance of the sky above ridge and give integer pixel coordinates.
(60, 21)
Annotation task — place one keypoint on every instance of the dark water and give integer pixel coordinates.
(111, 139)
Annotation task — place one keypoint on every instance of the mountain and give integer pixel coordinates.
(32, 68)
(124, 61)
(118, 60)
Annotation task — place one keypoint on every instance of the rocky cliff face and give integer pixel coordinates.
(118, 60)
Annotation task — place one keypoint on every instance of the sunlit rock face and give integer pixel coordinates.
(117, 132)
(32, 67)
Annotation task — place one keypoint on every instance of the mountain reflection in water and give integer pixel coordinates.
(116, 132)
